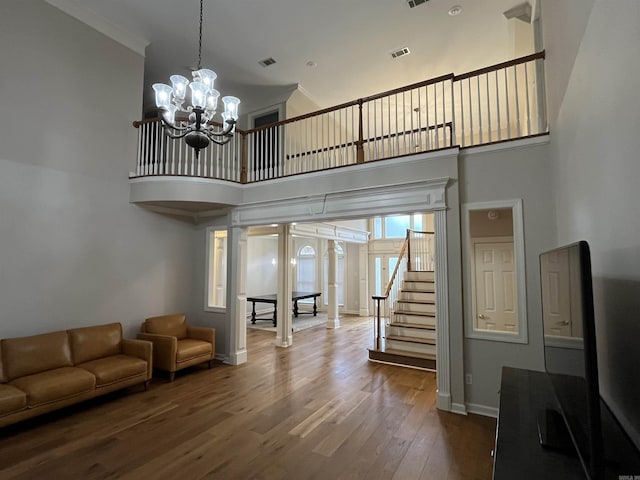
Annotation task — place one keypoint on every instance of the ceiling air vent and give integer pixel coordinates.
(267, 61)
(400, 53)
(415, 3)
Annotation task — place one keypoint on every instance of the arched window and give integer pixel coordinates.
(306, 269)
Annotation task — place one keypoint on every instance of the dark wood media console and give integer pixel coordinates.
(518, 453)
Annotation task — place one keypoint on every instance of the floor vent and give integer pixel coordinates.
(415, 3)
(400, 53)
(267, 61)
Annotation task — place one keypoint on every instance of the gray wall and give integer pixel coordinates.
(74, 252)
(505, 175)
(595, 155)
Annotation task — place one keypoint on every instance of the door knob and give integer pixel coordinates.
(481, 317)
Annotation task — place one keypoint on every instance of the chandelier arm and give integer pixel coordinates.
(221, 133)
(221, 142)
(181, 132)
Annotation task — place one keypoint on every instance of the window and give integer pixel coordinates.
(495, 276)
(306, 269)
(395, 226)
(216, 294)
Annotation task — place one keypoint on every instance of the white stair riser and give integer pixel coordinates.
(415, 307)
(417, 319)
(418, 296)
(419, 286)
(419, 276)
(412, 332)
(411, 347)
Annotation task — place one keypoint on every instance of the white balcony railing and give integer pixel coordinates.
(498, 103)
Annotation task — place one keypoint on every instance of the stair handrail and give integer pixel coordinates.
(392, 279)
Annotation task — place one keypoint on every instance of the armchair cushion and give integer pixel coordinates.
(11, 399)
(54, 385)
(173, 325)
(188, 349)
(115, 368)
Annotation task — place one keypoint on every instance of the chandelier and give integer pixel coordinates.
(194, 122)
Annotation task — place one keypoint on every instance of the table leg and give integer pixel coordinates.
(275, 314)
(253, 313)
(295, 308)
(315, 307)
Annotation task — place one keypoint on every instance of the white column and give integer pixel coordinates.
(363, 273)
(443, 371)
(284, 336)
(237, 291)
(333, 318)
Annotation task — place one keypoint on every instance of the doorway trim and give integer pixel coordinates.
(519, 256)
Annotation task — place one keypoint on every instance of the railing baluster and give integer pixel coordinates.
(488, 108)
(462, 133)
(498, 107)
(526, 84)
(506, 91)
(517, 99)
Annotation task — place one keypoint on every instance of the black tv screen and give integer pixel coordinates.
(574, 423)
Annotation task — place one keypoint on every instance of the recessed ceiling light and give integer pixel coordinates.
(311, 64)
(455, 10)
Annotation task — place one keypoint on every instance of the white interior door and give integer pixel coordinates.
(495, 289)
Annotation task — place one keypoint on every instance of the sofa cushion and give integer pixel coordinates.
(112, 369)
(188, 349)
(172, 325)
(55, 385)
(91, 343)
(11, 399)
(38, 353)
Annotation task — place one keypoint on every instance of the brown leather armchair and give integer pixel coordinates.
(176, 345)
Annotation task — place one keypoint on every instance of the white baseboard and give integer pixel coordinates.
(237, 358)
(482, 410)
(459, 408)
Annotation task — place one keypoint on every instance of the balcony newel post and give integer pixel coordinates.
(243, 158)
(360, 142)
(408, 251)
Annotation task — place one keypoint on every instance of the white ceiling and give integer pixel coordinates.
(350, 40)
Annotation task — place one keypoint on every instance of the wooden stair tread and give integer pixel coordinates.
(419, 314)
(423, 341)
(418, 326)
(404, 358)
(426, 302)
(413, 290)
(393, 351)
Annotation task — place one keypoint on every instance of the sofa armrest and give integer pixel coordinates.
(165, 349)
(141, 349)
(206, 334)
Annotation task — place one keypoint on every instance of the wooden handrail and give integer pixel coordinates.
(500, 66)
(360, 101)
(372, 139)
(395, 270)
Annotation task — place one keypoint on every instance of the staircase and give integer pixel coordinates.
(410, 336)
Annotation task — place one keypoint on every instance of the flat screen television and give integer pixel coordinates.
(573, 423)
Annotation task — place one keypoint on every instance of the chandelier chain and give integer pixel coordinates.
(200, 39)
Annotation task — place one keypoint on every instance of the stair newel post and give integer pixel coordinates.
(408, 252)
(360, 142)
(376, 324)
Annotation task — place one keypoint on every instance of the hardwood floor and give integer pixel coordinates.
(317, 410)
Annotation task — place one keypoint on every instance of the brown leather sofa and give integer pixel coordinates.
(177, 345)
(45, 372)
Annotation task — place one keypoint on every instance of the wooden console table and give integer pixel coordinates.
(273, 299)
